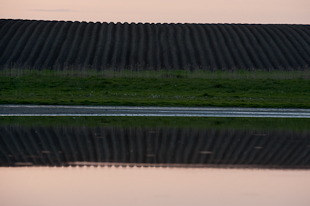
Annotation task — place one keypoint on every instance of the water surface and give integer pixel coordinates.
(100, 163)
(152, 186)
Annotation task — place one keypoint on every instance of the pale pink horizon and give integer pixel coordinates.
(161, 11)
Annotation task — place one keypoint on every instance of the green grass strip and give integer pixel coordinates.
(52, 89)
(158, 122)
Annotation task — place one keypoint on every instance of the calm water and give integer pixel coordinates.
(83, 165)
(152, 186)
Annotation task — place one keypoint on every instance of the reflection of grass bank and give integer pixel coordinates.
(164, 88)
(183, 122)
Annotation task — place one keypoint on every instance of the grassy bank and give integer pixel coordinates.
(177, 88)
(177, 122)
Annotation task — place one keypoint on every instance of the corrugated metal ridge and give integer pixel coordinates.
(118, 46)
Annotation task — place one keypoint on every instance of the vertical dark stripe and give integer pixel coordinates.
(235, 48)
(49, 61)
(207, 51)
(92, 46)
(282, 44)
(125, 47)
(254, 48)
(292, 48)
(173, 49)
(197, 44)
(117, 47)
(150, 50)
(297, 41)
(38, 47)
(8, 32)
(164, 48)
(189, 47)
(108, 47)
(220, 62)
(30, 45)
(48, 44)
(85, 42)
(142, 44)
(100, 46)
(22, 42)
(9, 47)
(183, 61)
(76, 45)
(158, 60)
(59, 57)
(269, 46)
(133, 47)
(223, 48)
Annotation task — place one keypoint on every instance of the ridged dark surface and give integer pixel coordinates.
(52, 44)
(56, 146)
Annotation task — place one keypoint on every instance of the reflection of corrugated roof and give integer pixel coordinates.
(47, 44)
(52, 146)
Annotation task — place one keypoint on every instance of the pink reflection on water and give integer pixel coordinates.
(152, 186)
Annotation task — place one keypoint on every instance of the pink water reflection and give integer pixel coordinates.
(152, 186)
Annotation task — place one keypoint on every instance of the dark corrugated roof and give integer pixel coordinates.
(51, 44)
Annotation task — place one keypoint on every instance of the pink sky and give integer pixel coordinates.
(160, 11)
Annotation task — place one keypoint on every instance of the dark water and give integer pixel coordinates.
(81, 165)
(171, 147)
